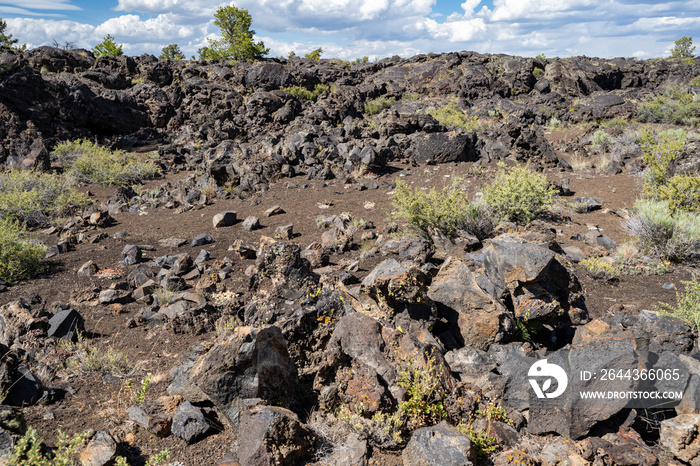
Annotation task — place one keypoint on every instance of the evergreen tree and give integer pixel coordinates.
(171, 52)
(315, 55)
(236, 37)
(6, 40)
(107, 48)
(684, 48)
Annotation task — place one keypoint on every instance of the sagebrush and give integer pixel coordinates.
(519, 194)
(687, 306)
(31, 451)
(91, 163)
(304, 93)
(376, 106)
(19, 257)
(675, 106)
(34, 198)
(663, 233)
(447, 210)
(451, 116)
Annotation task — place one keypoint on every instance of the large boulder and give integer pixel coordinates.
(536, 279)
(473, 317)
(270, 435)
(246, 363)
(680, 436)
(443, 147)
(280, 269)
(571, 415)
(400, 294)
(362, 362)
(440, 445)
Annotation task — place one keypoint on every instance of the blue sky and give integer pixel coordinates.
(375, 28)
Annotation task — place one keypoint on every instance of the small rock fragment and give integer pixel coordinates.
(203, 256)
(172, 242)
(131, 254)
(275, 210)
(224, 219)
(251, 223)
(244, 250)
(189, 423)
(201, 240)
(285, 232)
(87, 269)
(66, 324)
(101, 450)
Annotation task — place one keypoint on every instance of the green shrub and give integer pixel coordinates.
(19, 258)
(29, 450)
(518, 194)
(33, 198)
(662, 233)
(615, 122)
(687, 306)
(482, 440)
(681, 192)
(553, 123)
(411, 96)
(91, 163)
(448, 210)
(304, 93)
(85, 356)
(659, 151)
(423, 405)
(138, 395)
(674, 106)
(375, 106)
(600, 141)
(599, 268)
(451, 116)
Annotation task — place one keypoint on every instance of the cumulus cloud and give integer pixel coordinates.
(376, 28)
(36, 32)
(332, 15)
(462, 30)
(128, 27)
(539, 10)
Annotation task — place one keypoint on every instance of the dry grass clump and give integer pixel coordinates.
(91, 163)
(19, 257)
(34, 198)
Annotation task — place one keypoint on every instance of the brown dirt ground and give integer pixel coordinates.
(98, 402)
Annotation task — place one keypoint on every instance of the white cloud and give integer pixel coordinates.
(132, 27)
(42, 4)
(331, 15)
(11, 10)
(376, 28)
(36, 32)
(462, 30)
(149, 6)
(520, 10)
